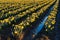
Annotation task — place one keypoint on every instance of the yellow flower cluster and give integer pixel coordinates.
(49, 25)
(32, 18)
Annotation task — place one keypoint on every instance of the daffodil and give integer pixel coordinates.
(53, 22)
(12, 18)
(49, 26)
(6, 20)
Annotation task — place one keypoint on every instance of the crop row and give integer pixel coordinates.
(50, 23)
